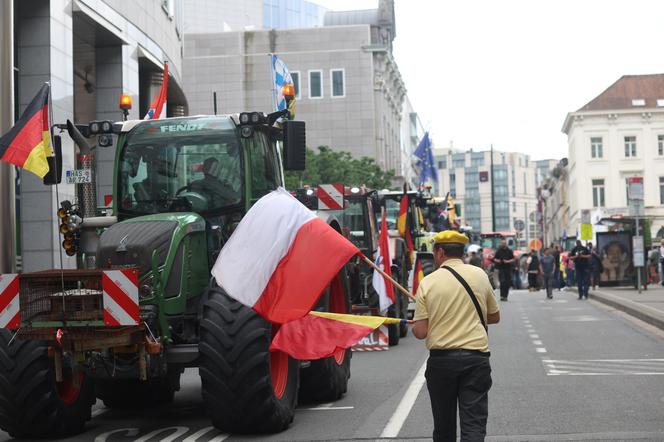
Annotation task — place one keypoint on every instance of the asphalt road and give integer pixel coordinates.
(563, 369)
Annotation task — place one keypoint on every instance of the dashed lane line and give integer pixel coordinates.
(400, 415)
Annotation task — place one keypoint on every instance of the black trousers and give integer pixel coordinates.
(505, 278)
(459, 378)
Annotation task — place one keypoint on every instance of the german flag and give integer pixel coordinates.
(404, 224)
(418, 275)
(28, 143)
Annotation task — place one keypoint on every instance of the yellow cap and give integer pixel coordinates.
(449, 237)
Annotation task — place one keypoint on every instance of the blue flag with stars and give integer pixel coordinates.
(425, 161)
(280, 76)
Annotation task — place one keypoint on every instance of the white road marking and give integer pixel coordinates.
(407, 402)
(604, 367)
(179, 431)
(536, 342)
(131, 432)
(98, 411)
(534, 336)
(581, 318)
(319, 408)
(540, 350)
(197, 435)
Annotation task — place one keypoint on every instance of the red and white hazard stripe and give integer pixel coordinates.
(9, 301)
(330, 196)
(120, 297)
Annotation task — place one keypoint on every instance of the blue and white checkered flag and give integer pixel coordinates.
(281, 76)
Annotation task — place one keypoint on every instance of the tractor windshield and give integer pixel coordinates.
(180, 165)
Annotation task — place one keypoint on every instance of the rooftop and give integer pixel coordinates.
(630, 92)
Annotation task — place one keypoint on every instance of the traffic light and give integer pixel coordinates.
(69, 227)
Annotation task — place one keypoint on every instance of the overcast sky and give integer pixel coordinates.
(507, 72)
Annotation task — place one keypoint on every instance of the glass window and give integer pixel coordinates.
(596, 147)
(513, 182)
(525, 182)
(477, 162)
(500, 190)
(315, 84)
(661, 190)
(296, 83)
(265, 170)
(660, 145)
(442, 164)
(192, 165)
(630, 147)
(513, 207)
(337, 79)
(598, 193)
(458, 164)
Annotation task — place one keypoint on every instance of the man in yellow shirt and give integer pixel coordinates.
(454, 305)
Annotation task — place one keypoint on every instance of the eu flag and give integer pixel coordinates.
(425, 162)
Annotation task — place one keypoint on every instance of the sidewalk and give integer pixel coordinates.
(647, 305)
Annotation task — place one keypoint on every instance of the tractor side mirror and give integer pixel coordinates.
(295, 148)
(54, 175)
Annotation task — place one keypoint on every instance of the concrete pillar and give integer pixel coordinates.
(44, 53)
(108, 66)
(7, 196)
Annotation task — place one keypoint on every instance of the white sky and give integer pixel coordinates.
(507, 72)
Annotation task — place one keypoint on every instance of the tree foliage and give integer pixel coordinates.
(329, 166)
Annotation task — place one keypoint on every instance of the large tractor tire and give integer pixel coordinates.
(136, 394)
(246, 388)
(32, 404)
(326, 380)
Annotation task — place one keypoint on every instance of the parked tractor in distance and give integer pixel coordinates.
(124, 329)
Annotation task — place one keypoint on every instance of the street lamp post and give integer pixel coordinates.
(493, 206)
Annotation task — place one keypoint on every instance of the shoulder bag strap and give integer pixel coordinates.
(470, 293)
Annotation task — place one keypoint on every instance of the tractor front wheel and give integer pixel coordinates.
(32, 404)
(246, 388)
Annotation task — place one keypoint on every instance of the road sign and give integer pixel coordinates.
(585, 216)
(535, 244)
(635, 188)
(638, 249)
(519, 225)
(586, 232)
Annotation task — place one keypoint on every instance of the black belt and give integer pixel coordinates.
(452, 352)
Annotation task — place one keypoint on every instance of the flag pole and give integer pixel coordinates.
(386, 276)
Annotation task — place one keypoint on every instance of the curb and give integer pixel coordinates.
(643, 312)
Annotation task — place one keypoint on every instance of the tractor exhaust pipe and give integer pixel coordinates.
(87, 196)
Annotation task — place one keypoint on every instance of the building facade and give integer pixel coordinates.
(347, 84)
(467, 176)
(91, 52)
(214, 16)
(555, 208)
(411, 133)
(616, 136)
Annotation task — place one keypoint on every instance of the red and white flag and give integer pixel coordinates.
(157, 106)
(280, 258)
(383, 287)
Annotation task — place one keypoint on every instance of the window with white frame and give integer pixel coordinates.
(630, 146)
(598, 192)
(661, 190)
(338, 82)
(295, 75)
(315, 84)
(660, 145)
(596, 147)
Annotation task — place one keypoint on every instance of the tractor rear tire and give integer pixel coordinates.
(326, 380)
(393, 332)
(32, 404)
(246, 389)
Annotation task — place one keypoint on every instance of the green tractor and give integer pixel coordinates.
(181, 186)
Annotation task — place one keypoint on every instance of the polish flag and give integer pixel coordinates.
(280, 258)
(383, 287)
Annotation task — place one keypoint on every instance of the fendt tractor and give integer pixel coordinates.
(359, 225)
(142, 306)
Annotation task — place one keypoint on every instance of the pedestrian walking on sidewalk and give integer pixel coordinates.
(504, 260)
(549, 266)
(534, 270)
(661, 262)
(596, 266)
(454, 305)
(557, 276)
(581, 257)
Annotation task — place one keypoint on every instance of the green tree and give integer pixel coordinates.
(329, 166)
